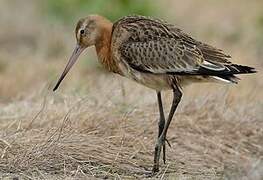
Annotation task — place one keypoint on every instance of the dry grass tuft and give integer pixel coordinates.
(104, 136)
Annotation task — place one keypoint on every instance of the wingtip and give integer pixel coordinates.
(253, 70)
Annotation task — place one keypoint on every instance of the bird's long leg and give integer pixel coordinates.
(177, 95)
(161, 120)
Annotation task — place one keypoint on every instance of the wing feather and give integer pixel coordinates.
(155, 46)
(162, 56)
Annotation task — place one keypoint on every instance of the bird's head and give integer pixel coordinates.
(89, 31)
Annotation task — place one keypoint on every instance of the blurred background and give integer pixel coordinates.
(219, 126)
(36, 37)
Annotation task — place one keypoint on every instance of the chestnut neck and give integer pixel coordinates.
(103, 48)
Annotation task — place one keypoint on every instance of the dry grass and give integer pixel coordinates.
(75, 136)
(104, 126)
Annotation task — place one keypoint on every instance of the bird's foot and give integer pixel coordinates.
(160, 144)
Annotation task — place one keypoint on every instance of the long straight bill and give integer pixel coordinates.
(77, 51)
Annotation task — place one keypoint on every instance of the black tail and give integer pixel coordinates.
(223, 71)
(228, 70)
(227, 73)
(239, 69)
(233, 69)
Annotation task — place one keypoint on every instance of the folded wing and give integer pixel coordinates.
(155, 46)
(168, 56)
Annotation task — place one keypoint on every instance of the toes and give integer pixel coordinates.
(155, 169)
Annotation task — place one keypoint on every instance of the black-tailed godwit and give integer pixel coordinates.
(156, 54)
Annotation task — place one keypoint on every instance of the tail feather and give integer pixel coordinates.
(228, 70)
(236, 69)
(228, 73)
(229, 78)
(224, 72)
(240, 69)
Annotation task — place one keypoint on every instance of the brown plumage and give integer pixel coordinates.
(156, 54)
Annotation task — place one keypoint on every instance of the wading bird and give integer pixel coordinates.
(156, 54)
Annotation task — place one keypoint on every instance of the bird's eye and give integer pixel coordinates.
(82, 31)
